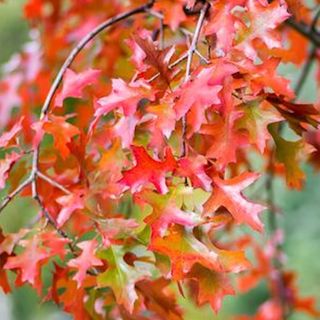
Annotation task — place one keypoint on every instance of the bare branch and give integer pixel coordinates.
(14, 193)
(52, 182)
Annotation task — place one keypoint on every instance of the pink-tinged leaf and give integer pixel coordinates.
(198, 94)
(111, 229)
(194, 169)
(125, 129)
(228, 193)
(165, 212)
(74, 83)
(6, 165)
(55, 243)
(70, 203)
(264, 19)
(11, 240)
(221, 25)
(147, 170)
(85, 260)
(39, 133)
(202, 91)
(7, 136)
(138, 54)
(124, 96)
(29, 262)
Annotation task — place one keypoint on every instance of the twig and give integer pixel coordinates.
(304, 30)
(192, 49)
(14, 193)
(306, 70)
(49, 218)
(159, 16)
(53, 183)
(172, 65)
(200, 55)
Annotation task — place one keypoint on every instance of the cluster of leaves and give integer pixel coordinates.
(139, 163)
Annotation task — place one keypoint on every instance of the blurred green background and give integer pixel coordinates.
(299, 218)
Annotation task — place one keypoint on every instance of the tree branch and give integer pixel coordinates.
(52, 182)
(14, 193)
(192, 49)
(304, 30)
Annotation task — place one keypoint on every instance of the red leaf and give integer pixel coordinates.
(69, 203)
(148, 170)
(124, 96)
(193, 168)
(29, 261)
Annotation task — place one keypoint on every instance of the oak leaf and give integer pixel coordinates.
(85, 260)
(147, 170)
(264, 19)
(228, 193)
(184, 250)
(121, 277)
(74, 83)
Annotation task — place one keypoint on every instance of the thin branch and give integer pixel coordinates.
(200, 55)
(160, 17)
(304, 30)
(53, 183)
(306, 71)
(192, 49)
(49, 218)
(161, 35)
(172, 65)
(14, 193)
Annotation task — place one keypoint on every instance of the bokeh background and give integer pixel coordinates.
(299, 215)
